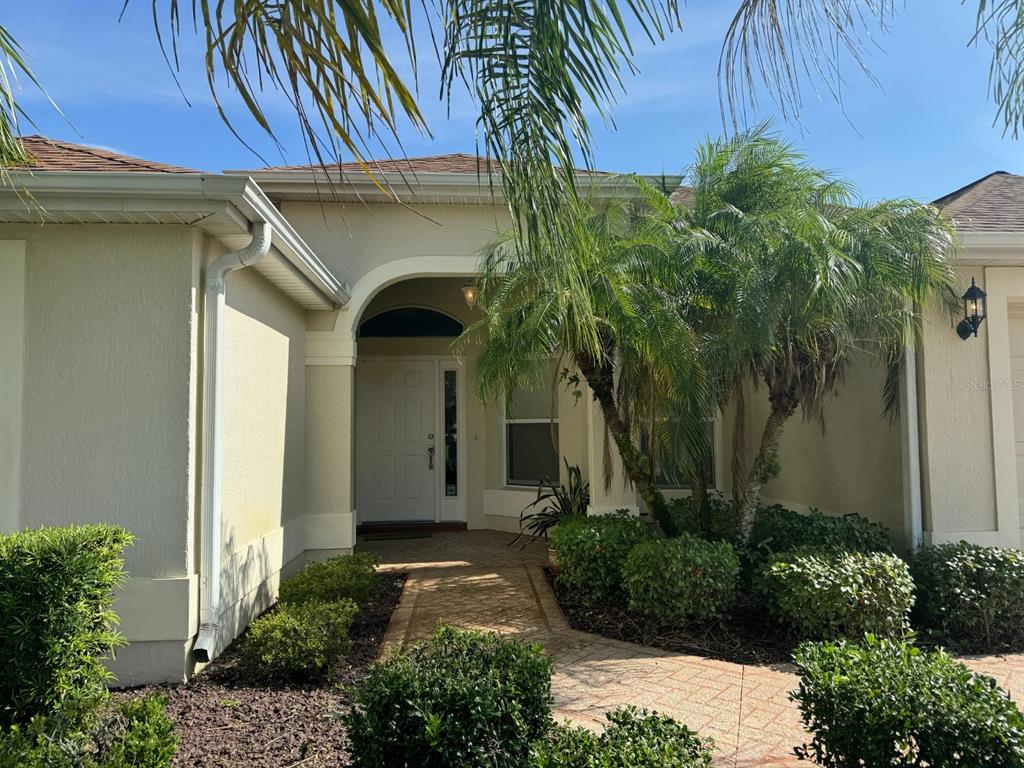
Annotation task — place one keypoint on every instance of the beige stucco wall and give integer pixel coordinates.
(854, 466)
(264, 443)
(107, 437)
(108, 412)
(354, 238)
(966, 390)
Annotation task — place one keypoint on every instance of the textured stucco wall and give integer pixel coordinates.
(956, 429)
(108, 391)
(853, 467)
(264, 409)
(353, 238)
(12, 378)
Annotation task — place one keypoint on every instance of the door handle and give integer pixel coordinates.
(430, 456)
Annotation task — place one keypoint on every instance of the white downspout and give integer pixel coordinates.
(209, 577)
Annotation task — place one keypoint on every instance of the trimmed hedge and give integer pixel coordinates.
(470, 699)
(55, 609)
(822, 594)
(777, 529)
(299, 642)
(684, 577)
(887, 703)
(973, 594)
(350, 577)
(632, 739)
(135, 734)
(591, 552)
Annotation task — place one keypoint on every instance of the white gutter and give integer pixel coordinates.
(421, 186)
(205, 647)
(913, 523)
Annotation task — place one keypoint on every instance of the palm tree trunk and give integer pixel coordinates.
(601, 379)
(764, 468)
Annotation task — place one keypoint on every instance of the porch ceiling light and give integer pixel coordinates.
(470, 293)
(975, 306)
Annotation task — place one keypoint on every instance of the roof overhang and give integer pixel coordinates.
(991, 248)
(223, 206)
(428, 188)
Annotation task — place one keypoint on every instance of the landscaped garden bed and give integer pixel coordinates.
(739, 637)
(229, 716)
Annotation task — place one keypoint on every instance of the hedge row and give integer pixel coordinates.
(306, 635)
(819, 577)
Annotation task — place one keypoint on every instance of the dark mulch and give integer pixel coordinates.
(227, 718)
(746, 636)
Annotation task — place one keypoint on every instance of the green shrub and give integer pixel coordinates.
(687, 517)
(56, 592)
(632, 739)
(135, 734)
(350, 577)
(673, 579)
(591, 552)
(302, 642)
(823, 594)
(470, 699)
(974, 594)
(138, 735)
(777, 529)
(887, 703)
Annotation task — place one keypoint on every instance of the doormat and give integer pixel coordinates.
(397, 535)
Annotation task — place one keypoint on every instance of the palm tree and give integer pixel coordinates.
(534, 69)
(607, 300)
(800, 277)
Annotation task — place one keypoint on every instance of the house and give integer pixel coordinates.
(242, 368)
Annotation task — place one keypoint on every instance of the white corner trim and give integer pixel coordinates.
(1003, 284)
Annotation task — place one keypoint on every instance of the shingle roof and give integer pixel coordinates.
(52, 155)
(993, 203)
(454, 162)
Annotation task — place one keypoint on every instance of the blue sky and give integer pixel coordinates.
(925, 132)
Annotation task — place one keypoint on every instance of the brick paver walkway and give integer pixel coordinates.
(474, 580)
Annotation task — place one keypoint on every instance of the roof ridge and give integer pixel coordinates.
(72, 149)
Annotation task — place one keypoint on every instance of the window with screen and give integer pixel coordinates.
(531, 437)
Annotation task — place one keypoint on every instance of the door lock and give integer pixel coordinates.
(430, 457)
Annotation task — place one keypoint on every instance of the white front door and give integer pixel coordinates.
(396, 460)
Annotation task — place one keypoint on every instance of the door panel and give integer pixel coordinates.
(397, 404)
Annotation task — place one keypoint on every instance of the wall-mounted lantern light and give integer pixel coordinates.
(470, 293)
(975, 307)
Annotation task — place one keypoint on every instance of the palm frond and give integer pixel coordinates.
(328, 57)
(788, 46)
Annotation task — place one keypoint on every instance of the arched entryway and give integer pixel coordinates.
(411, 405)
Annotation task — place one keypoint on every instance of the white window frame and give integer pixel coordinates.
(505, 421)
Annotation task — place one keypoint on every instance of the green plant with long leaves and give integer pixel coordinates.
(555, 503)
(535, 69)
(607, 300)
(800, 277)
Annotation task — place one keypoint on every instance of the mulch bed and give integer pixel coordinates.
(226, 718)
(746, 636)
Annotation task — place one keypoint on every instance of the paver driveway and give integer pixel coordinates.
(474, 580)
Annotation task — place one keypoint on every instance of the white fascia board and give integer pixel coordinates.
(991, 248)
(225, 202)
(421, 187)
